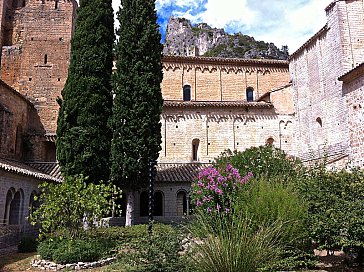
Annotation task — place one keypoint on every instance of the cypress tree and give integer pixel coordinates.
(83, 131)
(138, 98)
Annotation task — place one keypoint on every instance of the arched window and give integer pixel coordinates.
(186, 93)
(15, 210)
(9, 198)
(319, 121)
(195, 149)
(181, 203)
(33, 204)
(269, 141)
(249, 94)
(144, 199)
(158, 203)
(45, 59)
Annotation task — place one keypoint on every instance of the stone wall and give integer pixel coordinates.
(214, 129)
(353, 89)
(215, 79)
(14, 184)
(18, 118)
(36, 52)
(315, 68)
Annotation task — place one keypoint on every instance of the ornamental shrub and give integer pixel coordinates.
(70, 205)
(264, 161)
(66, 250)
(335, 205)
(215, 189)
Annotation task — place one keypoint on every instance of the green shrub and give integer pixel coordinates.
(263, 161)
(27, 244)
(336, 204)
(64, 250)
(159, 252)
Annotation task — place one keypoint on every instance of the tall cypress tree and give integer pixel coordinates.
(83, 132)
(138, 98)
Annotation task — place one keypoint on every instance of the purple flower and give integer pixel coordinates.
(199, 203)
(208, 209)
(227, 210)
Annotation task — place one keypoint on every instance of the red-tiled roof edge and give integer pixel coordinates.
(25, 170)
(356, 72)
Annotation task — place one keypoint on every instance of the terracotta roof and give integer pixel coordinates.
(178, 172)
(214, 104)
(231, 61)
(25, 170)
(313, 38)
(166, 172)
(353, 74)
(49, 168)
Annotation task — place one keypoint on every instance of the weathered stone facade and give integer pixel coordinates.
(36, 36)
(353, 89)
(322, 115)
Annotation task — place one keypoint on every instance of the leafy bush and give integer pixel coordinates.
(336, 204)
(263, 161)
(68, 205)
(75, 250)
(159, 252)
(27, 244)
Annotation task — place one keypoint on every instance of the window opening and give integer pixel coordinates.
(195, 146)
(144, 199)
(187, 93)
(250, 94)
(45, 59)
(158, 204)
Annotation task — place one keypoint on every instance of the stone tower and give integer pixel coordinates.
(35, 40)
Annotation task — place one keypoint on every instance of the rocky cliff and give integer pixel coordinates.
(184, 39)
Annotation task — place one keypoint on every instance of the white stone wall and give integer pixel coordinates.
(320, 106)
(221, 129)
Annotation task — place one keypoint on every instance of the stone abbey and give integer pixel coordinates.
(310, 106)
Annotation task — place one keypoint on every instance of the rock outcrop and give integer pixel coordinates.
(184, 39)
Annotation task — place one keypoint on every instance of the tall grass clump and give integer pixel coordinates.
(236, 246)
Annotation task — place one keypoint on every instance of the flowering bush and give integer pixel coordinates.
(215, 189)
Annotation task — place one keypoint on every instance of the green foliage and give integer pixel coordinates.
(336, 204)
(235, 245)
(268, 201)
(138, 98)
(27, 244)
(65, 250)
(141, 252)
(263, 161)
(68, 205)
(83, 133)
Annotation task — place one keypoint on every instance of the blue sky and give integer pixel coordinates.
(284, 22)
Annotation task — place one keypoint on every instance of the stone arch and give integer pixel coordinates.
(195, 149)
(269, 141)
(158, 203)
(9, 197)
(16, 208)
(181, 205)
(143, 201)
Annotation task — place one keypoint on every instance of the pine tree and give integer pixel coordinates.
(83, 132)
(138, 98)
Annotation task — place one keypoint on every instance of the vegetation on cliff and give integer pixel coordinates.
(138, 98)
(184, 39)
(83, 133)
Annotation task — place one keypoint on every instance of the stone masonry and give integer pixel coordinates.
(36, 50)
(322, 115)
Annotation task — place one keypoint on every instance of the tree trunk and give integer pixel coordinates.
(130, 201)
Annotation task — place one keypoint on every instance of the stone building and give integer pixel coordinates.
(310, 107)
(323, 117)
